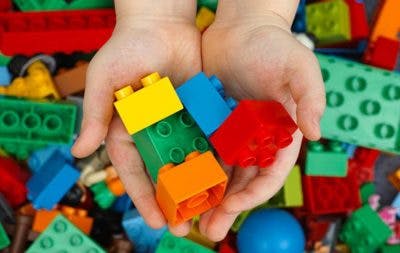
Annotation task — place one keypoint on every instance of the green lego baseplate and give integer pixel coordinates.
(172, 244)
(169, 141)
(328, 160)
(62, 236)
(4, 240)
(362, 104)
(365, 231)
(39, 5)
(329, 21)
(28, 125)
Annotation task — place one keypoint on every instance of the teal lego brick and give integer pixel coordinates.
(366, 190)
(172, 244)
(28, 125)
(42, 5)
(210, 4)
(328, 160)
(365, 231)
(169, 141)
(329, 21)
(102, 195)
(362, 104)
(4, 240)
(62, 236)
(390, 249)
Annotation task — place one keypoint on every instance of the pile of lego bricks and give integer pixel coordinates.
(344, 190)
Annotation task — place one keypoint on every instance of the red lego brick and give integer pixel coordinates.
(331, 195)
(315, 230)
(358, 20)
(253, 133)
(382, 53)
(29, 33)
(5, 5)
(12, 181)
(363, 164)
(228, 244)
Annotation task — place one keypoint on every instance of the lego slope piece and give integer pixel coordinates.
(329, 21)
(190, 188)
(4, 240)
(364, 231)
(169, 141)
(362, 104)
(326, 161)
(387, 21)
(52, 182)
(62, 236)
(204, 99)
(171, 244)
(253, 133)
(38, 5)
(52, 32)
(142, 108)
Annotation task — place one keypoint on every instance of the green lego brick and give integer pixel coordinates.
(28, 125)
(329, 21)
(390, 249)
(4, 240)
(366, 190)
(39, 5)
(329, 161)
(102, 195)
(4, 59)
(239, 220)
(365, 231)
(169, 141)
(210, 4)
(171, 244)
(62, 236)
(362, 104)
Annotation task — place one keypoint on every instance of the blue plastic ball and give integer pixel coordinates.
(271, 231)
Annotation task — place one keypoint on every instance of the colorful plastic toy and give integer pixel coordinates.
(204, 18)
(171, 244)
(383, 53)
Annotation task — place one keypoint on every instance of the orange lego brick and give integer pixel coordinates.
(394, 179)
(387, 22)
(43, 218)
(71, 81)
(78, 217)
(190, 188)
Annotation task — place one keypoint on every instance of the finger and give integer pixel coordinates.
(181, 230)
(308, 92)
(128, 163)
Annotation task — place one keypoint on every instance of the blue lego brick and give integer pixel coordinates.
(52, 182)
(145, 239)
(299, 23)
(5, 76)
(40, 156)
(396, 204)
(122, 204)
(349, 149)
(204, 99)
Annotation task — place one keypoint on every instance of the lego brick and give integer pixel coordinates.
(63, 236)
(169, 141)
(145, 239)
(331, 195)
(387, 20)
(4, 240)
(36, 85)
(5, 5)
(190, 188)
(210, 4)
(350, 149)
(394, 179)
(366, 191)
(299, 23)
(204, 99)
(5, 76)
(326, 160)
(358, 20)
(52, 182)
(43, 218)
(390, 249)
(102, 195)
(29, 33)
(171, 244)
(142, 108)
(29, 125)
(38, 5)
(228, 244)
(365, 231)
(362, 104)
(329, 21)
(4, 59)
(382, 53)
(363, 163)
(196, 236)
(204, 18)
(253, 133)
(40, 156)
(78, 102)
(71, 81)
(396, 204)
(122, 204)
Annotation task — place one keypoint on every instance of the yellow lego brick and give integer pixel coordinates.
(154, 102)
(37, 84)
(204, 18)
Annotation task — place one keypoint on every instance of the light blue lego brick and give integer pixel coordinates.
(5, 76)
(145, 239)
(122, 204)
(204, 99)
(396, 204)
(349, 148)
(52, 182)
(39, 157)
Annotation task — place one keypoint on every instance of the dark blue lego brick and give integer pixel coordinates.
(299, 23)
(204, 99)
(39, 157)
(122, 204)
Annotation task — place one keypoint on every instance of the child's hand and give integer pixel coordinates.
(255, 56)
(145, 40)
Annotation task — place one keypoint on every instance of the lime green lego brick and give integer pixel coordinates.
(210, 4)
(62, 236)
(4, 240)
(329, 21)
(365, 231)
(390, 249)
(362, 104)
(27, 125)
(326, 160)
(172, 244)
(169, 141)
(366, 190)
(102, 195)
(239, 220)
(38, 5)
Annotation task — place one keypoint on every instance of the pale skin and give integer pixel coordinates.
(249, 47)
